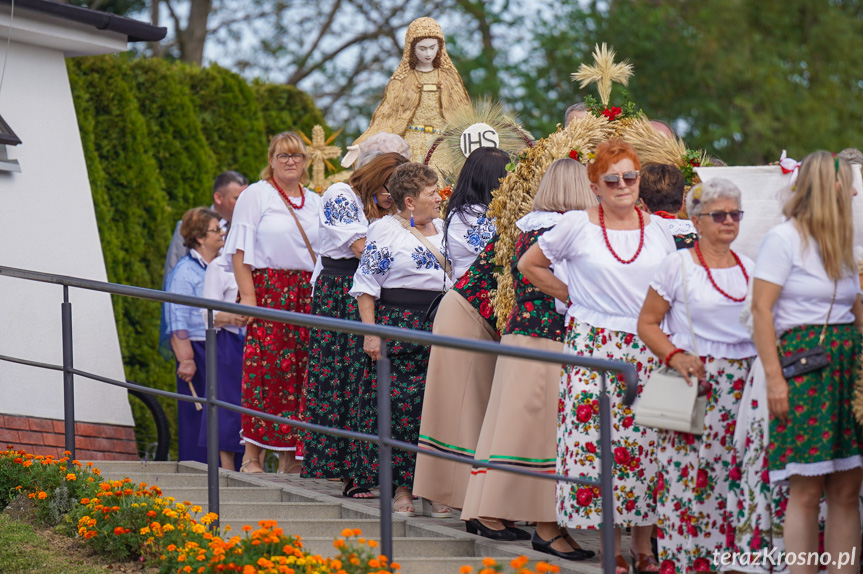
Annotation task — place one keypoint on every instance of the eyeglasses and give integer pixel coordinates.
(720, 216)
(613, 180)
(284, 157)
(217, 230)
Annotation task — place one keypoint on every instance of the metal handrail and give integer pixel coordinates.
(625, 371)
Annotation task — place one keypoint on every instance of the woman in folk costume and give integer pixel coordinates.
(611, 253)
(421, 95)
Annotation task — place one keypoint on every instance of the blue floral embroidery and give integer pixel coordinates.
(424, 258)
(375, 261)
(479, 234)
(340, 210)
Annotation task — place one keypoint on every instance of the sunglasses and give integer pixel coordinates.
(720, 216)
(613, 181)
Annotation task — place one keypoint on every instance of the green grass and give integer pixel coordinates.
(23, 550)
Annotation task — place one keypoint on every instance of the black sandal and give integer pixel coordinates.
(351, 491)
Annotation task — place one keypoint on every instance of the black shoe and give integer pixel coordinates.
(474, 526)
(519, 533)
(588, 553)
(541, 545)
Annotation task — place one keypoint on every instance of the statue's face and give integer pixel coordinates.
(426, 51)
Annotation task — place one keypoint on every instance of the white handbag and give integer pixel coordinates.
(668, 401)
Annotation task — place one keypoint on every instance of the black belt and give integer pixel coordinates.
(339, 267)
(414, 298)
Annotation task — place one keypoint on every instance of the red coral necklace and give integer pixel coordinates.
(710, 275)
(288, 199)
(608, 244)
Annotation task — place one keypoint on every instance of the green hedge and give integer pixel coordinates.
(155, 134)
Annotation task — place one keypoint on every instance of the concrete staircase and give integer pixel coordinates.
(419, 546)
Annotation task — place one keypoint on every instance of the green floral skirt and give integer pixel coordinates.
(821, 435)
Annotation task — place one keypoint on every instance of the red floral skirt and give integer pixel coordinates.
(275, 359)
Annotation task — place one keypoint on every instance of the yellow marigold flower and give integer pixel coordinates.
(488, 562)
(196, 509)
(168, 527)
(143, 531)
(199, 529)
(42, 495)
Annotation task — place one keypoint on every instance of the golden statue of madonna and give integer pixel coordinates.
(421, 95)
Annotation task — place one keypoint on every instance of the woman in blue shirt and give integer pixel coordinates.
(183, 329)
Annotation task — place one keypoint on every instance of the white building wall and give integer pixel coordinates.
(48, 223)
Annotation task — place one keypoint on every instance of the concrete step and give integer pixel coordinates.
(432, 547)
(198, 494)
(441, 564)
(141, 467)
(281, 511)
(328, 528)
(165, 480)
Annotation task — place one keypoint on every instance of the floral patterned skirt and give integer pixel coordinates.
(693, 479)
(821, 435)
(275, 358)
(409, 362)
(336, 363)
(634, 447)
(756, 507)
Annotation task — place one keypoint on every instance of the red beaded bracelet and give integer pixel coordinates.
(670, 355)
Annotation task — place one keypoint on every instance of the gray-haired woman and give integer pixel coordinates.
(693, 475)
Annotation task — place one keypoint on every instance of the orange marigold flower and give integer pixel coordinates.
(338, 544)
(374, 563)
(172, 547)
(347, 532)
(357, 531)
(31, 495)
(119, 530)
(247, 528)
(42, 495)
(487, 571)
(395, 566)
(465, 569)
(488, 562)
(336, 564)
(85, 501)
(373, 544)
(518, 562)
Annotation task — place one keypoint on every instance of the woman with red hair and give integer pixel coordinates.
(610, 253)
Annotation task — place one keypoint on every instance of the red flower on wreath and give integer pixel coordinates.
(573, 153)
(612, 113)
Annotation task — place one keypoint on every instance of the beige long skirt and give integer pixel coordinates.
(520, 428)
(458, 385)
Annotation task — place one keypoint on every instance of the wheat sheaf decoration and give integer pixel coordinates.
(514, 198)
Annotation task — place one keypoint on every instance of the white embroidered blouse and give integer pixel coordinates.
(467, 235)
(394, 259)
(264, 229)
(603, 291)
(718, 333)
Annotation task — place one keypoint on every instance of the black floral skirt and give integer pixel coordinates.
(409, 363)
(336, 365)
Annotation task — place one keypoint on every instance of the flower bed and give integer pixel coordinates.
(126, 521)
